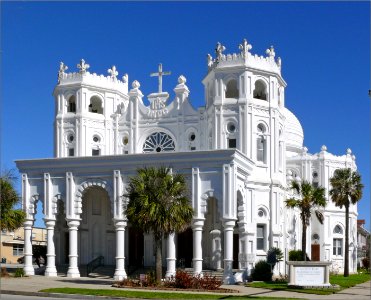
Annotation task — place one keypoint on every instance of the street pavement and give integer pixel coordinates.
(30, 286)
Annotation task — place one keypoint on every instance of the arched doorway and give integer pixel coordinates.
(96, 232)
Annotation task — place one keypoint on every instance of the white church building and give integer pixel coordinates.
(239, 152)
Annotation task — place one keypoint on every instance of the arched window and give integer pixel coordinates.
(231, 90)
(71, 104)
(96, 105)
(158, 142)
(260, 91)
(261, 144)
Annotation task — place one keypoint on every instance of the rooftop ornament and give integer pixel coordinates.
(82, 66)
(62, 68)
(160, 73)
(244, 47)
(219, 51)
(113, 72)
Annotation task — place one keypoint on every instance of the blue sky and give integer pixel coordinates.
(325, 51)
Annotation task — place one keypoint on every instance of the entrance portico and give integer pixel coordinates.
(94, 207)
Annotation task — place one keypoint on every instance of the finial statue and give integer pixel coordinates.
(113, 72)
(219, 51)
(270, 52)
(323, 148)
(83, 66)
(135, 84)
(182, 79)
(349, 151)
(244, 47)
(209, 60)
(279, 62)
(125, 78)
(62, 68)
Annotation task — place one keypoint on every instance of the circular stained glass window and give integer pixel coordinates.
(158, 142)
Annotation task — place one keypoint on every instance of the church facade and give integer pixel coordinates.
(239, 152)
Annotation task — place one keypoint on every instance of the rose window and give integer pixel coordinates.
(158, 142)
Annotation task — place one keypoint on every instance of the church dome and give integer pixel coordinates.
(294, 135)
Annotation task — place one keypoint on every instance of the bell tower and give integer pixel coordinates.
(244, 101)
(86, 107)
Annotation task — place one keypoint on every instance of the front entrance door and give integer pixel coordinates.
(315, 252)
(136, 247)
(235, 250)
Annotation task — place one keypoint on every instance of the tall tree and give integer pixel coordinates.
(309, 198)
(158, 203)
(346, 189)
(11, 218)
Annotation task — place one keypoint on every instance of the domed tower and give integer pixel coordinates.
(244, 103)
(85, 107)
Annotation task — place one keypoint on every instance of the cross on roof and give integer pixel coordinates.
(160, 74)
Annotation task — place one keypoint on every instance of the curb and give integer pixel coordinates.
(57, 295)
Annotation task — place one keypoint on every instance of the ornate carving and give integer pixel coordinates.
(62, 68)
(82, 66)
(113, 72)
(209, 60)
(125, 78)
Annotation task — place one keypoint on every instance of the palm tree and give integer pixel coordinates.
(11, 218)
(346, 190)
(309, 197)
(158, 203)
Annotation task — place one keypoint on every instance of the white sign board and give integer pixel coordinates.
(309, 275)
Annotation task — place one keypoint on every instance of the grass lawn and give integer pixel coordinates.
(343, 282)
(148, 294)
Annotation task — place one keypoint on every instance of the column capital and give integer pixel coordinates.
(50, 223)
(72, 223)
(120, 223)
(28, 223)
(229, 223)
(198, 223)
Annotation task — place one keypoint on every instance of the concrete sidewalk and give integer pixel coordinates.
(32, 285)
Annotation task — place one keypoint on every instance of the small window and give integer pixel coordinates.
(337, 247)
(70, 138)
(192, 136)
(338, 229)
(232, 90)
(232, 143)
(126, 152)
(315, 184)
(261, 149)
(125, 140)
(261, 213)
(96, 139)
(71, 152)
(17, 250)
(260, 237)
(260, 91)
(71, 104)
(95, 152)
(231, 127)
(193, 148)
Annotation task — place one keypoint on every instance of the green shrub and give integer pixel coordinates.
(19, 272)
(296, 255)
(262, 271)
(274, 256)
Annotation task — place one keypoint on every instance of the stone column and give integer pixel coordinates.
(73, 270)
(28, 267)
(216, 249)
(171, 259)
(120, 273)
(50, 270)
(197, 226)
(228, 277)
